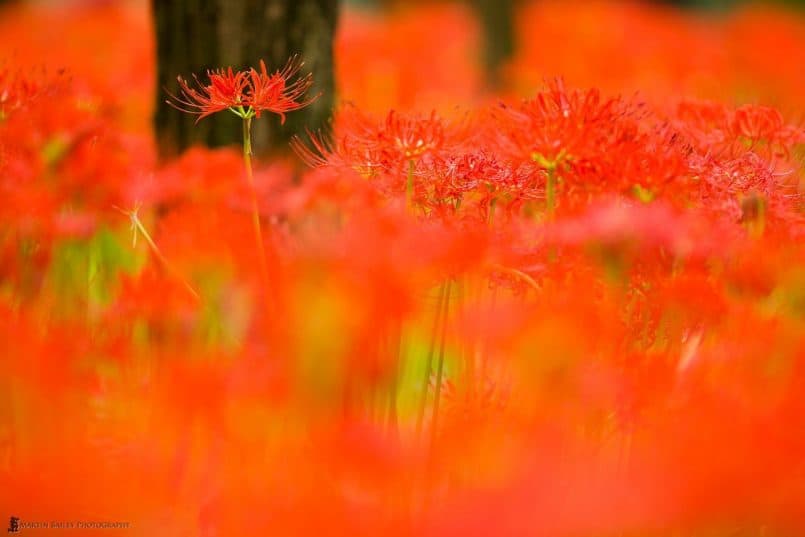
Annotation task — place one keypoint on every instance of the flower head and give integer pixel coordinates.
(225, 90)
(246, 93)
(279, 92)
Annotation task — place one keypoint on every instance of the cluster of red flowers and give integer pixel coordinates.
(577, 314)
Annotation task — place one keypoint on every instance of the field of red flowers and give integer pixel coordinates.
(575, 307)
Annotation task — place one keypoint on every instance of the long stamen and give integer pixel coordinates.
(138, 226)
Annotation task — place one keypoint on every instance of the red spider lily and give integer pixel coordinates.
(390, 152)
(757, 122)
(713, 127)
(478, 184)
(566, 124)
(399, 138)
(246, 93)
(276, 92)
(225, 90)
(347, 146)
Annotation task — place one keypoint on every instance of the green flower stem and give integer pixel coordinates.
(396, 349)
(440, 368)
(550, 193)
(258, 232)
(429, 363)
(409, 186)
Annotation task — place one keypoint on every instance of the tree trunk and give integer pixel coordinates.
(195, 35)
(497, 21)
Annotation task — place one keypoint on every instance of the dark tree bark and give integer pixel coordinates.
(195, 35)
(497, 20)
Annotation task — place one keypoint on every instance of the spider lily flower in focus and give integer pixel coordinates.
(279, 92)
(225, 91)
(246, 93)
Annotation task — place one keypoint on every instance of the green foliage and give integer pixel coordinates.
(84, 273)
